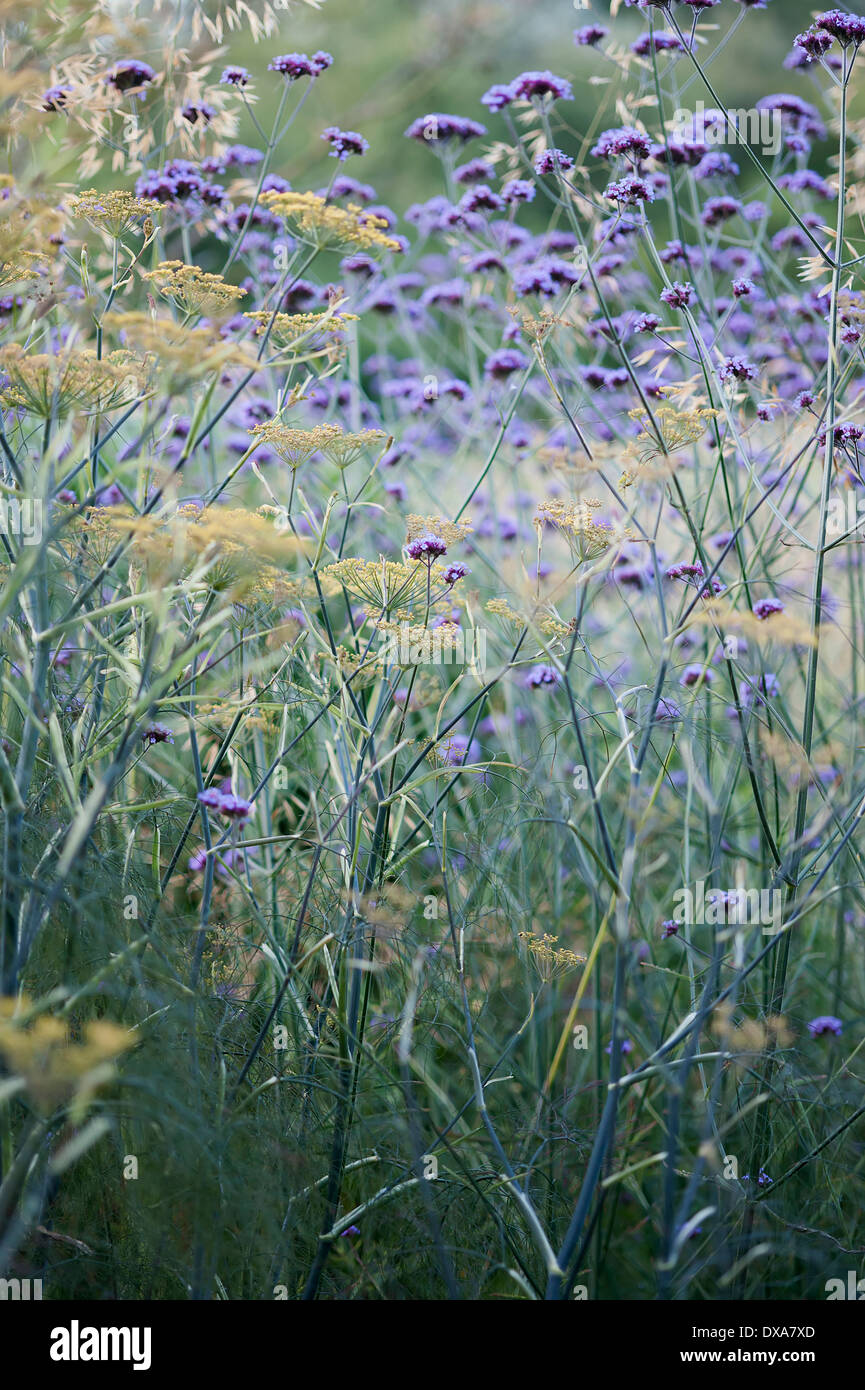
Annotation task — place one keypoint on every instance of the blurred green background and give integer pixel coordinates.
(397, 59)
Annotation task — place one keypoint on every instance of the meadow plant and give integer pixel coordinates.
(423, 605)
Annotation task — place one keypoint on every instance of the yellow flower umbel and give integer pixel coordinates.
(541, 617)
(451, 532)
(587, 537)
(323, 225)
(415, 644)
(548, 959)
(27, 226)
(291, 331)
(295, 446)
(344, 448)
(114, 213)
(46, 386)
(23, 267)
(784, 628)
(383, 584)
(195, 291)
(230, 549)
(183, 354)
(677, 429)
(54, 1068)
(750, 1035)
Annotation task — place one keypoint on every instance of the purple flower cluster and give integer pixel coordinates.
(179, 181)
(344, 143)
(440, 129)
(590, 35)
(825, 1025)
(234, 808)
(548, 161)
(529, 86)
(427, 547)
(297, 65)
(157, 733)
(129, 75)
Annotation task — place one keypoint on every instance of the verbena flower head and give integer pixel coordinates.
(211, 797)
(440, 129)
(679, 295)
(497, 97)
(474, 171)
(226, 804)
(802, 117)
(667, 711)
(531, 86)
(481, 198)
(842, 435)
(297, 65)
(548, 161)
(696, 676)
(630, 191)
(623, 141)
(590, 35)
(504, 363)
(234, 157)
(195, 111)
(234, 807)
(765, 607)
(738, 369)
(656, 43)
(56, 98)
(157, 733)
(825, 1025)
(344, 143)
(519, 191)
(234, 76)
(427, 547)
(542, 677)
(177, 181)
(692, 572)
(130, 75)
(845, 27)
